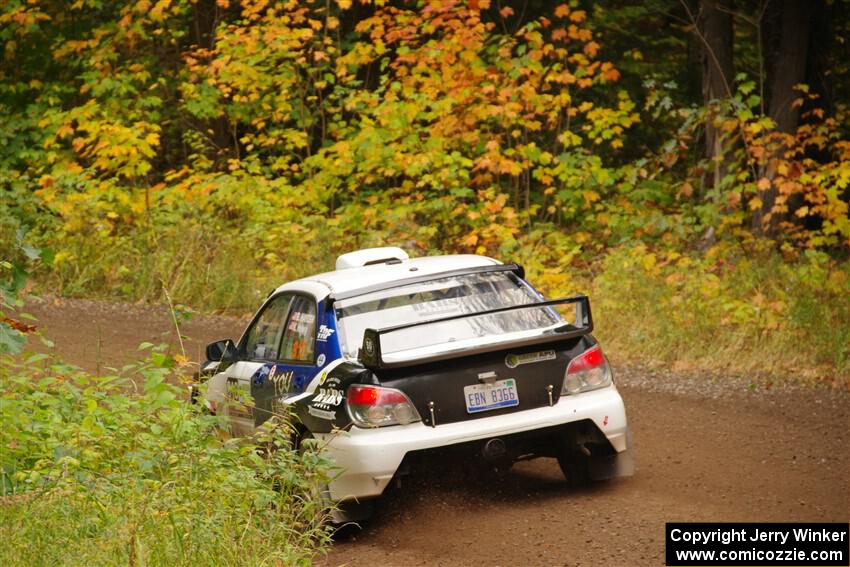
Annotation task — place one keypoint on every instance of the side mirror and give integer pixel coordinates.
(221, 351)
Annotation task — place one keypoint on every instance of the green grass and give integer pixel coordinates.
(94, 473)
(757, 316)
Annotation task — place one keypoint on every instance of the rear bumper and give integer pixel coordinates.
(367, 459)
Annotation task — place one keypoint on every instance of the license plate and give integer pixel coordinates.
(484, 397)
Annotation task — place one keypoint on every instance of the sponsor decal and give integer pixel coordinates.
(324, 333)
(436, 307)
(321, 414)
(370, 346)
(514, 360)
(320, 361)
(324, 376)
(282, 382)
(328, 397)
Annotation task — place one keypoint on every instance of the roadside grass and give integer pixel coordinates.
(757, 316)
(112, 471)
(744, 308)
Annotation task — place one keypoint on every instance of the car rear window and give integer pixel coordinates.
(436, 299)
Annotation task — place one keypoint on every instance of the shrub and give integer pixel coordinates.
(94, 472)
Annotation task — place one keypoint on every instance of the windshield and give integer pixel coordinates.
(436, 299)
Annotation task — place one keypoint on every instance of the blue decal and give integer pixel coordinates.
(330, 346)
(260, 375)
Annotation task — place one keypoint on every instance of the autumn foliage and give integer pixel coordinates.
(214, 147)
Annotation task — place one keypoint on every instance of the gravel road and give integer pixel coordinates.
(708, 449)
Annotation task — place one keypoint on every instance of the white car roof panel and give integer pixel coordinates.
(352, 279)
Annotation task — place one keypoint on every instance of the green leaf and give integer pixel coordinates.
(11, 341)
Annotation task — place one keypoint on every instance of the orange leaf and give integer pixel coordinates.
(591, 49)
(18, 326)
(578, 16)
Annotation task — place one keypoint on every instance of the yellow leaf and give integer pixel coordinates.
(755, 204)
(589, 197)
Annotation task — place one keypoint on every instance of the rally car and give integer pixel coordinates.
(390, 358)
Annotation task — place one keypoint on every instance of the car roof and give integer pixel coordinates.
(349, 281)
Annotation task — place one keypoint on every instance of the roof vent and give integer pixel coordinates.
(369, 256)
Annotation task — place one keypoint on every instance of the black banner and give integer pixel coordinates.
(812, 544)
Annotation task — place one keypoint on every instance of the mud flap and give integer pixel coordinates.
(351, 512)
(618, 464)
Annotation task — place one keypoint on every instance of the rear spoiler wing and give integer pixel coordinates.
(371, 353)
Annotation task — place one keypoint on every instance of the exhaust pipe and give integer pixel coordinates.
(494, 449)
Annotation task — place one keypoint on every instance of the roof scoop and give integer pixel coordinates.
(369, 256)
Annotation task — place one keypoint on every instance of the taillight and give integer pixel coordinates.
(373, 406)
(588, 371)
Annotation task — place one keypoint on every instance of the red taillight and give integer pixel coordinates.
(372, 395)
(362, 395)
(374, 406)
(588, 371)
(589, 359)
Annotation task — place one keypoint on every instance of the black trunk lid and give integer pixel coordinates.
(437, 388)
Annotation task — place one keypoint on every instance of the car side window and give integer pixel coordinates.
(265, 336)
(299, 339)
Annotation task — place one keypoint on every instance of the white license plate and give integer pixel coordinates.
(483, 397)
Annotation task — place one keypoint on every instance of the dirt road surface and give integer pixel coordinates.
(708, 449)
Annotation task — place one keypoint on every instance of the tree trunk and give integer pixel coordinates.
(787, 69)
(715, 28)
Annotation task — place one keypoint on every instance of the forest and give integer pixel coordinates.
(685, 163)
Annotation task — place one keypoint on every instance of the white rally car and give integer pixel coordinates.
(390, 357)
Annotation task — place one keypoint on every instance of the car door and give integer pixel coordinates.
(258, 351)
(295, 362)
